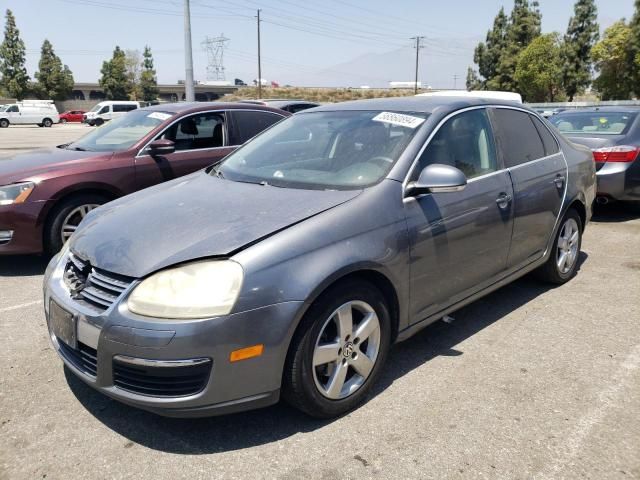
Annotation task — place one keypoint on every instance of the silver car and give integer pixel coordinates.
(291, 267)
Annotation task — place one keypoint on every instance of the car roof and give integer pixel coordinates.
(184, 107)
(415, 104)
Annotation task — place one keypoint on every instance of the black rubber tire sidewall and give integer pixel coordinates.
(299, 387)
(52, 240)
(4, 123)
(98, 122)
(47, 123)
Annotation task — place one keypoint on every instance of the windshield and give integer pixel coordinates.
(121, 133)
(324, 150)
(600, 123)
(96, 107)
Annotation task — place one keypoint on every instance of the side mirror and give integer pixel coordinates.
(161, 147)
(438, 178)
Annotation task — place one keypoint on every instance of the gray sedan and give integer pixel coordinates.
(291, 267)
(613, 133)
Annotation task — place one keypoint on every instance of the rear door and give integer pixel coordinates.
(538, 171)
(459, 241)
(201, 139)
(246, 124)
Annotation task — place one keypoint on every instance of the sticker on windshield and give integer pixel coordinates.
(159, 116)
(398, 119)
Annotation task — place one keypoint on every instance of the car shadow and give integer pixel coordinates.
(22, 265)
(616, 212)
(238, 431)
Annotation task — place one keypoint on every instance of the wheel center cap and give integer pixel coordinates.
(347, 350)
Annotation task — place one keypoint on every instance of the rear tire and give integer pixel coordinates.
(65, 214)
(4, 123)
(47, 122)
(563, 260)
(330, 387)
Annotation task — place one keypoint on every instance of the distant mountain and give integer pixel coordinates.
(437, 68)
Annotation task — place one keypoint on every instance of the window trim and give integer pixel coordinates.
(226, 130)
(433, 133)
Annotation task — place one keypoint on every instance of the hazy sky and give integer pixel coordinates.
(301, 40)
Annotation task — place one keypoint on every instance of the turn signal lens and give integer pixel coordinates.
(621, 153)
(245, 353)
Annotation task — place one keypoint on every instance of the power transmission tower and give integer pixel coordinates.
(455, 82)
(214, 46)
(417, 47)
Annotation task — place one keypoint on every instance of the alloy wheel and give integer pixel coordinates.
(346, 350)
(568, 243)
(73, 219)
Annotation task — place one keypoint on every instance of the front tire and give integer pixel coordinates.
(63, 120)
(563, 261)
(4, 123)
(98, 122)
(338, 351)
(65, 218)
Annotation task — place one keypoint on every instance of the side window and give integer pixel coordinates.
(123, 108)
(104, 109)
(465, 142)
(517, 136)
(203, 130)
(550, 143)
(13, 108)
(249, 124)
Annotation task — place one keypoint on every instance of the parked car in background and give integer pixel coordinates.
(108, 110)
(36, 112)
(44, 194)
(72, 116)
(613, 133)
(292, 266)
(291, 106)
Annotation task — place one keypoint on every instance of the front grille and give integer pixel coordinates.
(161, 381)
(84, 358)
(93, 286)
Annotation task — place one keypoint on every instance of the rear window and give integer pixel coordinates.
(601, 123)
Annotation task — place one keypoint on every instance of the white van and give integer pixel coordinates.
(486, 94)
(108, 110)
(38, 112)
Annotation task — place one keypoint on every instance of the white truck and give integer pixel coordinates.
(38, 112)
(108, 110)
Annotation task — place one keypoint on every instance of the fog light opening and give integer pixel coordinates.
(5, 236)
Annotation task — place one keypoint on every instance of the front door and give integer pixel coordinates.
(459, 241)
(200, 141)
(539, 174)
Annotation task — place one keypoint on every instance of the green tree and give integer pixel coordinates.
(582, 34)
(487, 54)
(611, 61)
(473, 81)
(114, 80)
(539, 69)
(133, 66)
(148, 83)
(634, 49)
(523, 28)
(14, 79)
(55, 80)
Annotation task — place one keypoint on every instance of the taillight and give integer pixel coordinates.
(621, 153)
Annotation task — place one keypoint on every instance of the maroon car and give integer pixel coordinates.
(44, 194)
(72, 116)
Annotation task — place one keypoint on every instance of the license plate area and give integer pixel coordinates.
(63, 324)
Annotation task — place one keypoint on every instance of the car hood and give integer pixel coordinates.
(23, 166)
(595, 141)
(192, 217)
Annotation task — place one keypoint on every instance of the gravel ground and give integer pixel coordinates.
(529, 382)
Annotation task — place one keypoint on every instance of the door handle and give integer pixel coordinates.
(559, 181)
(504, 200)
